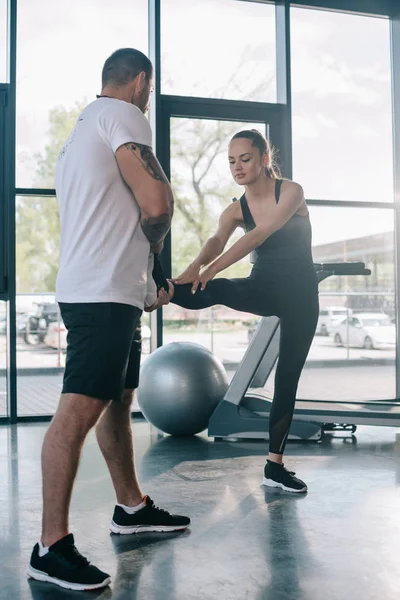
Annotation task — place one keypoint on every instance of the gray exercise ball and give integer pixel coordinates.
(180, 386)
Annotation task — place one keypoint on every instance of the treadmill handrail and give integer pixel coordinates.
(348, 268)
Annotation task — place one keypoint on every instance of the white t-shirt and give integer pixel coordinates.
(104, 254)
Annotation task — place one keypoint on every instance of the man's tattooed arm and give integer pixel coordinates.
(155, 227)
(150, 163)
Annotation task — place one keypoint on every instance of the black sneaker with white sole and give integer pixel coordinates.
(149, 518)
(66, 567)
(275, 475)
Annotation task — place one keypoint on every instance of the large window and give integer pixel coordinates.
(203, 188)
(354, 349)
(342, 128)
(223, 49)
(41, 335)
(220, 52)
(61, 51)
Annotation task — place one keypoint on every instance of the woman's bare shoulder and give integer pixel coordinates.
(288, 185)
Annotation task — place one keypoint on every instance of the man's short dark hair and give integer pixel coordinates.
(124, 65)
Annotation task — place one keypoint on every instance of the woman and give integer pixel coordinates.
(282, 282)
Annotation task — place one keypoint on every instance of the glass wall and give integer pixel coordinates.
(60, 58)
(229, 49)
(341, 101)
(356, 328)
(354, 350)
(342, 151)
(203, 188)
(41, 335)
(61, 51)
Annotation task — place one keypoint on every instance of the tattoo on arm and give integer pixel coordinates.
(148, 161)
(156, 228)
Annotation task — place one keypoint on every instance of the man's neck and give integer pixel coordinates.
(116, 93)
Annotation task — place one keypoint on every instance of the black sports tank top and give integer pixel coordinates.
(290, 244)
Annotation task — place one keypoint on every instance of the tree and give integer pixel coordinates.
(38, 227)
(200, 179)
(198, 150)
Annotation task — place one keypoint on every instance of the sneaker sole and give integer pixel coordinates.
(124, 529)
(42, 576)
(275, 484)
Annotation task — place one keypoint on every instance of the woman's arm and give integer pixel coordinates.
(289, 203)
(213, 247)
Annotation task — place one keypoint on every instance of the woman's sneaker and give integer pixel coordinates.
(149, 518)
(65, 566)
(275, 475)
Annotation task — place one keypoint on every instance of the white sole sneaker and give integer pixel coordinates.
(275, 484)
(125, 529)
(42, 576)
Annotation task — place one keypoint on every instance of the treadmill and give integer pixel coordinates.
(244, 411)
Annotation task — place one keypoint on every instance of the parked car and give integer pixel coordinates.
(56, 336)
(146, 334)
(251, 330)
(366, 330)
(37, 324)
(329, 317)
(21, 321)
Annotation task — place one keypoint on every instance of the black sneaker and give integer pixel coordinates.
(64, 566)
(275, 475)
(149, 518)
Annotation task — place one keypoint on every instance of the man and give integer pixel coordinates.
(116, 207)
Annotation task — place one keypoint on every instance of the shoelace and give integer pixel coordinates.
(150, 504)
(71, 555)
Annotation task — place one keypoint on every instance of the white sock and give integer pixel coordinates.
(132, 509)
(42, 549)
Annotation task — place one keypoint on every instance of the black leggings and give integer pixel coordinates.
(295, 301)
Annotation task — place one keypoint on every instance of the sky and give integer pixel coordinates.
(342, 147)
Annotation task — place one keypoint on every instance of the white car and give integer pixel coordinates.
(329, 317)
(146, 334)
(56, 334)
(366, 330)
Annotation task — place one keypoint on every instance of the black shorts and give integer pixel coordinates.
(104, 345)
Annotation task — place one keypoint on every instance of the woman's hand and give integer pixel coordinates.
(190, 275)
(207, 275)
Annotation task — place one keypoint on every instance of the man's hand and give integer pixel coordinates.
(163, 298)
(190, 275)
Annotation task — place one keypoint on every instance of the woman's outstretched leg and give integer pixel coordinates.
(239, 294)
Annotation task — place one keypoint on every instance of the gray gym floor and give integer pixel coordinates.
(340, 541)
